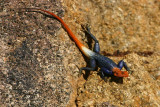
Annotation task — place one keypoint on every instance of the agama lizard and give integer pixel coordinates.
(106, 65)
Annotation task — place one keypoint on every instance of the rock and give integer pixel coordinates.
(39, 62)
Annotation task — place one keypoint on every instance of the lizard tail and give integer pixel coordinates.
(84, 49)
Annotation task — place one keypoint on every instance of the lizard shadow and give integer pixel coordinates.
(109, 78)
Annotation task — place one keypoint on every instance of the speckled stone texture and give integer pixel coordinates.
(31, 60)
(39, 62)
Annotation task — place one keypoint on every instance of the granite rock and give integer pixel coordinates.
(39, 62)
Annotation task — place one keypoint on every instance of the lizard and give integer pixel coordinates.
(107, 66)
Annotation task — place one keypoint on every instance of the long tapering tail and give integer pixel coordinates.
(85, 50)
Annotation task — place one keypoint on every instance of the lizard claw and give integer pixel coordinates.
(86, 28)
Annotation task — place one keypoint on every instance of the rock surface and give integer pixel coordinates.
(39, 63)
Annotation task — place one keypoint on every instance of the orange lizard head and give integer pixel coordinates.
(118, 73)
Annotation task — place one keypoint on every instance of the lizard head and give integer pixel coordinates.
(118, 73)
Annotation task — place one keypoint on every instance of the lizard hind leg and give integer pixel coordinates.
(96, 45)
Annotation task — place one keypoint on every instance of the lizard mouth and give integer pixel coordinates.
(118, 73)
